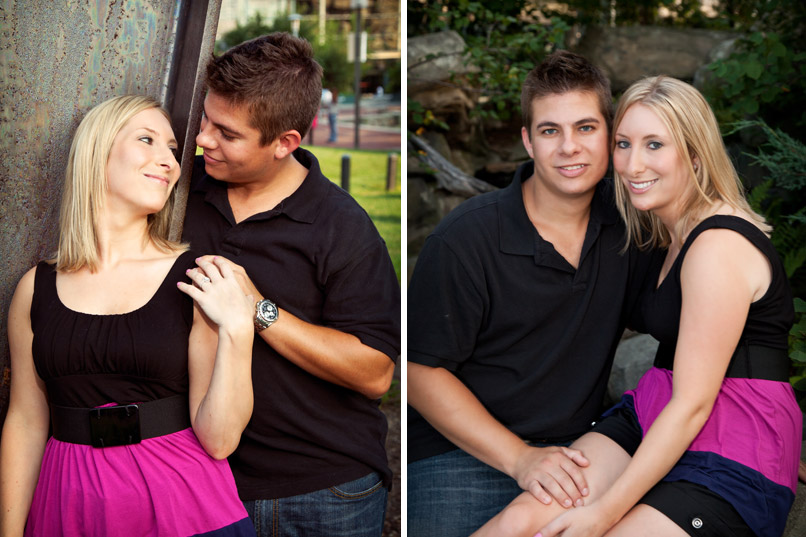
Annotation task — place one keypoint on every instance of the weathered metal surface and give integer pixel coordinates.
(57, 60)
(196, 27)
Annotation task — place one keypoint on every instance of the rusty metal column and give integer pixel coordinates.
(59, 59)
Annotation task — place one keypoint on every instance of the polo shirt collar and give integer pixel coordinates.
(303, 205)
(518, 233)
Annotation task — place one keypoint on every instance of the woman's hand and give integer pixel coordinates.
(588, 521)
(218, 294)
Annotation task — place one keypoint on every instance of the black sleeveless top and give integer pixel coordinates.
(88, 360)
(769, 318)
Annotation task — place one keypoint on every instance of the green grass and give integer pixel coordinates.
(368, 187)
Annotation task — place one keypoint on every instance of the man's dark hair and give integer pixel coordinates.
(561, 72)
(276, 77)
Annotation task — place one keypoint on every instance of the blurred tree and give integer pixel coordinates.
(332, 54)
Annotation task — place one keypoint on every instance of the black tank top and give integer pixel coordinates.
(88, 360)
(770, 317)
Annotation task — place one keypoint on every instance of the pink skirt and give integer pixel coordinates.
(163, 486)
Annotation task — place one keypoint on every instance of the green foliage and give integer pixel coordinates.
(786, 159)
(781, 197)
(337, 73)
(781, 200)
(787, 18)
(502, 47)
(762, 77)
(257, 26)
(393, 395)
(504, 56)
(420, 117)
(797, 346)
(629, 12)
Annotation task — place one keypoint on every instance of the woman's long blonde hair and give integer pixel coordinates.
(85, 184)
(695, 131)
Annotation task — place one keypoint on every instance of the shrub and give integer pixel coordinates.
(761, 78)
(781, 199)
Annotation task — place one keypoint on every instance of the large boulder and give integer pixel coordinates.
(432, 58)
(634, 357)
(628, 53)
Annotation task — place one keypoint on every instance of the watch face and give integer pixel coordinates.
(268, 311)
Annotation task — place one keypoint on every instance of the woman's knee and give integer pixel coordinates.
(525, 516)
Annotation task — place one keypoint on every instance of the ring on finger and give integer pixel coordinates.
(205, 279)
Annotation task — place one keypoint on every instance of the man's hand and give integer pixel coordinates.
(553, 472)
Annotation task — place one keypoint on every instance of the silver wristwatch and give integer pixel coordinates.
(265, 314)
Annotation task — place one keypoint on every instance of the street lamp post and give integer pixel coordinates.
(357, 5)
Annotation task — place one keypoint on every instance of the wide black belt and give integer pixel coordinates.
(120, 425)
(748, 361)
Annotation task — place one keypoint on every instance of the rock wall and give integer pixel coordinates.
(628, 53)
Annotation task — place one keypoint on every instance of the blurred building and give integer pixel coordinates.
(381, 19)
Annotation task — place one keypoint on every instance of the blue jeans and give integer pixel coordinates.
(354, 509)
(453, 494)
(334, 133)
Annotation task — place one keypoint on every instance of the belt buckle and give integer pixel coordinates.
(114, 426)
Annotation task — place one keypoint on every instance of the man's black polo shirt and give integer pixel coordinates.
(318, 256)
(495, 304)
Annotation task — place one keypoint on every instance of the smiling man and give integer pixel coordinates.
(515, 309)
(327, 313)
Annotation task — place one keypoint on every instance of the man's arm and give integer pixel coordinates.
(447, 304)
(451, 408)
(324, 352)
(331, 355)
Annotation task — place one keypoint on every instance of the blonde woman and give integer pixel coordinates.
(709, 441)
(147, 391)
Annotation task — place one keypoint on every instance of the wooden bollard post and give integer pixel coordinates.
(345, 172)
(391, 171)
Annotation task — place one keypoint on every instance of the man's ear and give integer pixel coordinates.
(527, 142)
(288, 142)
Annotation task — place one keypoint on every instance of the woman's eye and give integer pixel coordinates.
(623, 144)
(147, 139)
(654, 145)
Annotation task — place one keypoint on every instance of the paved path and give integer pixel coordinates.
(370, 136)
